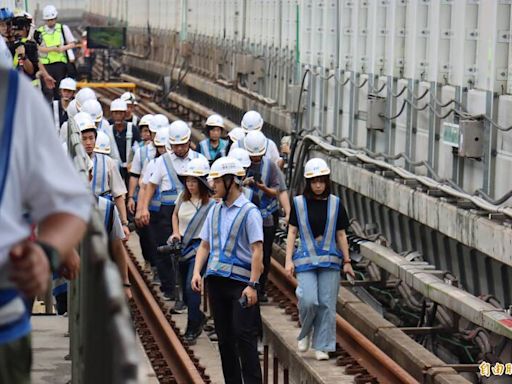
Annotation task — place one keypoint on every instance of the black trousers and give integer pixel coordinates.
(58, 71)
(237, 330)
(161, 226)
(269, 234)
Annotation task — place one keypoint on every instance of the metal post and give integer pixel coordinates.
(389, 125)
(434, 124)
(490, 142)
(265, 364)
(457, 162)
(354, 79)
(275, 370)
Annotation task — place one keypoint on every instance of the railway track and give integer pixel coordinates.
(171, 357)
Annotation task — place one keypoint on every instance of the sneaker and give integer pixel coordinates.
(179, 307)
(303, 344)
(156, 280)
(168, 297)
(213, 336)
(321, 355)
(192, 334)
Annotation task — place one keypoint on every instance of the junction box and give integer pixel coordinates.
(376, 109)
(471, 138)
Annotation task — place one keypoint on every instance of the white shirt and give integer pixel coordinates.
(161, 177)
(271, 154)
(148, 171)
(137, 165)
(41, 179)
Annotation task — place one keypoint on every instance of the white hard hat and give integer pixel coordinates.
(129, 98)
(236, 134)
(161, 138)
(226, 166)
(102, 143)
(316, 167)
(50, 12)
(252, 121)
(118, 105)
(146, 120)
(179, 133)
(93, 108)
(5, 55)
(83, 95)
(84, 122)
(68, 83)
(241, 155)
(71, 109)
(256, 143)
(215, 121)
(161, 120)
(198, 167)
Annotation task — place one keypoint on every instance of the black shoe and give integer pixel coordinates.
(192, 334)
(179, 307)
(209, 328)
(213, 336)
(263, 298)
(169, 297)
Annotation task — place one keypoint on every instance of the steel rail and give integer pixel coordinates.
(354, 342)
(169, 344)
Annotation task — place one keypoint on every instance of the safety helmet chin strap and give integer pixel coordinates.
(232, 180)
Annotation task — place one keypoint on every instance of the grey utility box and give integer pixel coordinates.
(376, 109)
(471, 143)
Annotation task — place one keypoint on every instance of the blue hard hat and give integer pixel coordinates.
(6, 14)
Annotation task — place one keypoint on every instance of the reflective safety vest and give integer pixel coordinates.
(170, 196)
(248, 193)
(268, 205)
(54, 39)
(205, 147)
(107, 208)
(129, 138)
(59, 284)
(14, 318)
(190, 239)
(223, 261)
(15, 60)
(100, 183)
(312, 253)
(147, 153)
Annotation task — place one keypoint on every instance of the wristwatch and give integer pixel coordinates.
(254, 284)
(52, 254)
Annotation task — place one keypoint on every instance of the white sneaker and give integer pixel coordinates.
(321, 355)
(303, 344)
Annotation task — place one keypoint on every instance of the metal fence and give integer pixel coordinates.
(103, 342)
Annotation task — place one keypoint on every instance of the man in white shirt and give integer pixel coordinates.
(35, 176)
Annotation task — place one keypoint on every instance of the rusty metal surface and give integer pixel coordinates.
(358, 354)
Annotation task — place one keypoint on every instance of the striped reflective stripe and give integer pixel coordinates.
(267, 205)
(320, 259)
(230, 268)
(215, 263)
(8, 99)
(99, 175)
(155, 203)
(196, 224)
(168, 197)
(171, 173)
(205, 148)
(12, 311)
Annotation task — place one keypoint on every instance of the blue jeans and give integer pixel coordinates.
(192, 299)
(317, 292)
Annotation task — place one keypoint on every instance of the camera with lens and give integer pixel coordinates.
(173, 248)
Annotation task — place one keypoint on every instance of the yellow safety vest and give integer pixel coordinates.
(54, 39)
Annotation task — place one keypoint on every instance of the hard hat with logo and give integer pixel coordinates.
(146, 120)
(5, 55)
(161, 138)
(118, 105)
(214, 121)
(316, 167)
(256, 143)
(129, 98)
(226, 166)
(68, 83)
(179, 133)
(198, 167)
(71, 109)
(83, 95)
(102, 143)
(84, 122)
(252, 121)
(93, 108)
(241, 155)
(50, 12)
(236, 134)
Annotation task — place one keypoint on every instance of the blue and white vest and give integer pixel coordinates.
(14, 316)
(205, 148)
(312, 254)
(190, 239)
(100, 182)
(223, 261)
(268, 205)
(170, 196)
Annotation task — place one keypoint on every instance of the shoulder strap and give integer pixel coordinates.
(56, 118)
(8, 99)
(99, 178)
(205, 148)
(171, 172)
(330, 226)
(234, 231)
(196, 224)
